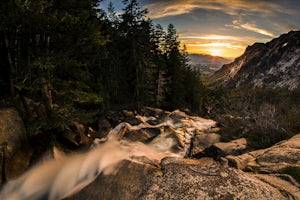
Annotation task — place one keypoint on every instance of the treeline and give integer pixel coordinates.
(70, 58)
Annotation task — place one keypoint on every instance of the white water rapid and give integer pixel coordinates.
(57, 179)
(60, 178)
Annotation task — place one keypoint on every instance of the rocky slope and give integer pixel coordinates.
(162, 155)
(275, 64)
(214, 172)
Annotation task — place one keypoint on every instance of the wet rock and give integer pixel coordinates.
(74, 135)
(178, 115)
(222, 149)
(116, 118)
(158, 114)
(175, 133)
(143, 135)
(133, 120)
(104, 127)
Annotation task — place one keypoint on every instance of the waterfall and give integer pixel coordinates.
(58, 179)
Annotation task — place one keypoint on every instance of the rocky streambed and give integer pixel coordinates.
(172, 155)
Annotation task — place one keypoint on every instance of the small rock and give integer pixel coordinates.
(142, 135)
(222, 149)
(202, 141)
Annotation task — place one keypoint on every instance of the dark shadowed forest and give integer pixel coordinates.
(64, 61)
(72, 60)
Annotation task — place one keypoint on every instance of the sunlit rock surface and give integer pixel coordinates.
(178, 179)
(274, 163)
(273, 159)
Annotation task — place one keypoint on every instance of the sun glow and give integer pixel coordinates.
(215, 52)
(228, 49)
(222, 49)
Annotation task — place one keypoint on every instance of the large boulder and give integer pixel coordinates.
(271, 160)
(178, 179)
(142, 135)
(13, 134)
(278, 165)
(12, 130)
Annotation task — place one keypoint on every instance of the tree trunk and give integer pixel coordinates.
(137, 73)
(10, 65)
(160, 87)
(3, 166)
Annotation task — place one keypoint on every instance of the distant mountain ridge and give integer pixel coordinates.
(207, 64)
(275, 64)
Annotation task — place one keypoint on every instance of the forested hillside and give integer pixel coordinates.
(70, 59)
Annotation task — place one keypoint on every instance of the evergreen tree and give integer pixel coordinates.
(66, 58)
(49, 50)
(159, 72)
(175, 68)
(135, 29)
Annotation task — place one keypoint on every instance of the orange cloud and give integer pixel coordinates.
(161, 9)
(211, 37)
(251, 27)
(219, 44)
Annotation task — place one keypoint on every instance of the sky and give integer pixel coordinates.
(222, 27)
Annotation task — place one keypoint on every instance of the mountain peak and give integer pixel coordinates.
(274, 64)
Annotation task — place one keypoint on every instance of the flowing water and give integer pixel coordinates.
(60, 178)
(57, 179)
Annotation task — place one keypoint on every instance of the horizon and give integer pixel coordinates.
(222, 28)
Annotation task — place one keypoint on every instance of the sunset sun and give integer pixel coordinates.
(215, 52)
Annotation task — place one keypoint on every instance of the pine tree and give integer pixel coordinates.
(135, 29)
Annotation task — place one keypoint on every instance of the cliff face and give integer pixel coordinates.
(275, 64)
